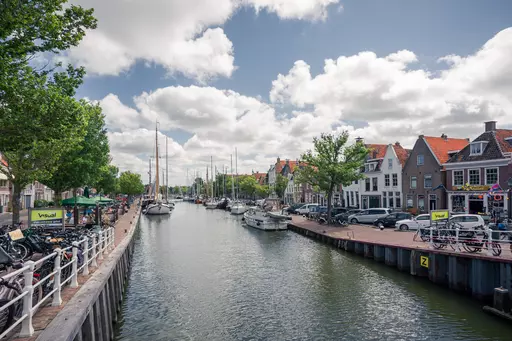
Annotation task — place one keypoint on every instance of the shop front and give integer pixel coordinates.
(477, 202)
(371, 201)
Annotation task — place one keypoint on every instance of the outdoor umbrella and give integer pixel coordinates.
(80, 201)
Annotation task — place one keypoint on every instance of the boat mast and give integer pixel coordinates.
(211, 166)
(236, 168)
(166, 170)
(157, 184)
(232, 180)
(207, 182)
(224, 185)
(149, 189)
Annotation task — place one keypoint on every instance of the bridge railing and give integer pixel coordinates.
(21, 291)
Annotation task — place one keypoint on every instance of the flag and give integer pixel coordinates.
(495, 187)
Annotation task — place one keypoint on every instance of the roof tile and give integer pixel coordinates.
(441, 146)
(501, 135)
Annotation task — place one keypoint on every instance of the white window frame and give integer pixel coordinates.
(453, 177)
(482, 144)
(387, 180)
(393, 176)
(372, 167)
(497, 175)
(424, 180)
(390, 163)
(479, 176)
(418, 160)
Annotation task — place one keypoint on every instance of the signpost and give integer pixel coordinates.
(47, 217)
(424, 261)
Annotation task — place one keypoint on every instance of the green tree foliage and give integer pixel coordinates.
(248, 185)
(108, 181)
(262, 191)
(332, 163)
(39, 118)
(280, 186)
(83, 165)
(176, 189)
(131, 183)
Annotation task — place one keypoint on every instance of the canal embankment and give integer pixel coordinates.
(477, 275)
(88, 311)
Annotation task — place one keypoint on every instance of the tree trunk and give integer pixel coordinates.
(16, 204)
(57, 198)
(329, 203)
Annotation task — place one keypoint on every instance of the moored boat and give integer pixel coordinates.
(262, 220)
(238, 208)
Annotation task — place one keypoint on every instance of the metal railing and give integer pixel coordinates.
(102, 242)
(492, 242)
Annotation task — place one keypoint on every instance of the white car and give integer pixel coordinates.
(464, 221)
(305, 208)
(423, 220)
(368, 216)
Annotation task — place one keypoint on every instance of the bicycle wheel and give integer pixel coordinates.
(6, 315)
(496, 248)
(18, 251)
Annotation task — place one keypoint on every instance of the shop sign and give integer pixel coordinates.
(468, 187)
(438, 215)
(46, 217)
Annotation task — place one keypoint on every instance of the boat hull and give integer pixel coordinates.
(237, 210)
(158, 209)
(265, 223)
(211, 205)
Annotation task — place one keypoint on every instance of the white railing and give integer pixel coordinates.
(100, 246)
(493, 242)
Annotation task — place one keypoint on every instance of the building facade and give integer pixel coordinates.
(478, 175)
(391, 185)
(423, 176)
(371, 186)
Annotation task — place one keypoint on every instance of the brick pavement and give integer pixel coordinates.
(45, 315)
(387, 237)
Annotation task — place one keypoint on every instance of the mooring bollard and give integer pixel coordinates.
(27, 329)
(57, 278)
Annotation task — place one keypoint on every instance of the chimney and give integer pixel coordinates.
(467, 139)
(421, 136)
(359, 139)
(397, 144)
(444, 137)
(490, 126)
(278, 159)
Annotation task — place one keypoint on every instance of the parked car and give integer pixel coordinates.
(293, 208)
(304, 209)
(344, 216)
(391, 219)
(414, 223)
(337, 210)
(315, 211)
(368, 216)
(468, 221)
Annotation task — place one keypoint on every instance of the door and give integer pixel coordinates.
(432, 202)
(27, 201)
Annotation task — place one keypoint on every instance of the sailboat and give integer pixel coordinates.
(158, 207)
(237, 207)
(212, 203)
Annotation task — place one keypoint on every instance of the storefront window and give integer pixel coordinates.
(458, 203)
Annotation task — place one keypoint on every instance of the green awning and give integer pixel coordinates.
(80, 201)
(102, 199)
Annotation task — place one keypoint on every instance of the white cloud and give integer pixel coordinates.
(379, 98)
(182, 36)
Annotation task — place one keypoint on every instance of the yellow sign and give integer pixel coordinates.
(439, 215)
(40, 215)
(16, 235)
(468, 187)
(424, 261)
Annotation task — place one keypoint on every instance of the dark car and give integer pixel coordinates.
(337, 210)
(292, 209)
(348, 212)
(391, 219)
(315, 211)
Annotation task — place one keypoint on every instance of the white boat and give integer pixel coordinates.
(210, 205)
(159, 208)
(260, 219)
(238, 208)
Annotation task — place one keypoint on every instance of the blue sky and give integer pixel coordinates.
(185, 55)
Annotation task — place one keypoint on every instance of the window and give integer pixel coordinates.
(375, 184)
(476, 148)
(421, 202)
(367, 184)
(390, 202)
(397, 202)
(386, 180)
(423, 217)
(420, 160)
(413, 182)
(356, 182)
(474, 176)
(366, 167)
(390, 194)
(357, 199)
(491, 176)
(384, 194)
(427, 180)
(372, 166)
(351, 198)
(410, 203)
(395, 180)
(458, 178)
(3, 183)
(390, 163)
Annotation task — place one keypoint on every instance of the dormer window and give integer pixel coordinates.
(366, 167)
(477, 148)
(372, 166)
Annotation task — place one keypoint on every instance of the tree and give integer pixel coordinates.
(130, 183)
(332, 164)
(281, 184)
(248, 185)
(262, 191)
(107, 181)
(83, 165)
(176, 189)
(39, 118)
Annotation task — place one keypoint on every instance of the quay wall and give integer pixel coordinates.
(92, 312)
(474, 275)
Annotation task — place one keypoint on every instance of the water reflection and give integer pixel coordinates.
(201, 275)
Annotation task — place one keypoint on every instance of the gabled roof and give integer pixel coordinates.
(401, 153)
(260, 177)
(501, 135)
(440, 146)
(493, 149)
(377, 151)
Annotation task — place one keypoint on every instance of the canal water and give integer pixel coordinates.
(202, 275)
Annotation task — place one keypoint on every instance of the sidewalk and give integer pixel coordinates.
(6, 217)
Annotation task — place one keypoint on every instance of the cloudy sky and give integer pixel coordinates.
(266, 76)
